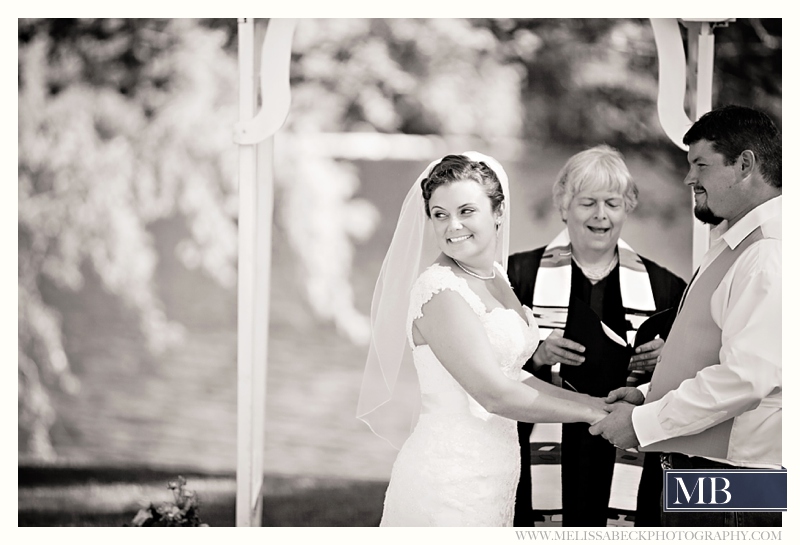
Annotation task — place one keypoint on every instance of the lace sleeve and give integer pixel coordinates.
(433, 280)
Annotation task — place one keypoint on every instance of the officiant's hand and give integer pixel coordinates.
(647, 355)
(556, 349)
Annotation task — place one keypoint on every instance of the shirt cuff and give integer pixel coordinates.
(646, 425)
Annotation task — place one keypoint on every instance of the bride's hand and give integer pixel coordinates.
(597, 415)
(597, 403)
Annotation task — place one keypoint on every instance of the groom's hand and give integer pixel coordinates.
(556, 349)
(628, 394)
(617, 427)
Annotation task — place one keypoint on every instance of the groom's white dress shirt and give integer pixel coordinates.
(746, 385)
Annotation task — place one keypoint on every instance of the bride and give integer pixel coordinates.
(443, 307)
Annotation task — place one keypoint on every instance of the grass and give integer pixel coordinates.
(109, 496)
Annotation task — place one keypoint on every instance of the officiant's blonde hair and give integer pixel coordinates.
(598, 168)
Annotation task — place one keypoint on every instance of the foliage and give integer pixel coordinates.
(595, 80)
(120, 123)
(372, 75)
(91, 496)
(184, 511)
(748, 65)
(419, 76)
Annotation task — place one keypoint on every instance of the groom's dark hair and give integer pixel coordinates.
(732, 129)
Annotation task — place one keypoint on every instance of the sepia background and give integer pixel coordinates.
(127, 240)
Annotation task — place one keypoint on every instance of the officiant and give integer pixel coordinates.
(590, 293)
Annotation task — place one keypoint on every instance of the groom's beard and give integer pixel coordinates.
(704, 214)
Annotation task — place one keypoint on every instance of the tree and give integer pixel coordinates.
(595, 80)
(121, 122)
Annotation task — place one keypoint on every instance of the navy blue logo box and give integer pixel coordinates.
(725, 490)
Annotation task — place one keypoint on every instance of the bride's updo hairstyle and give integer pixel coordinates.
(458, 168)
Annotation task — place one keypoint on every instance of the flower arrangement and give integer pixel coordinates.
(182, 512)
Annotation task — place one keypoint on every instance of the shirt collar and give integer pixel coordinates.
(757, 217)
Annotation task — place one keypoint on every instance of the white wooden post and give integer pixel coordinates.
(672, 80)
(254, 133)
(702, 56)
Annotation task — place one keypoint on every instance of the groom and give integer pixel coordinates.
(715, 398)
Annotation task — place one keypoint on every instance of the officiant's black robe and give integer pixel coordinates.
(589, 460)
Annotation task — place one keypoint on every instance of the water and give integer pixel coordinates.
(179, 409)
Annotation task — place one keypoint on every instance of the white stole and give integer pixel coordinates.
(554, 280)
(550, 305)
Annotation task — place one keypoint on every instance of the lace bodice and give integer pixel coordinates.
(513, 340)
(460, 466)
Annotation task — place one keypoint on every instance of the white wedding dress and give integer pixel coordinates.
(461, 464)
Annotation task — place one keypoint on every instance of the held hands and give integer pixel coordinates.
(617, 427)
(556, 349)
(628, 394)
(598, 408)
(597, 415)
(597, 402)
(647, 355)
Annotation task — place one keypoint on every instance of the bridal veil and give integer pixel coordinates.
(390, 398)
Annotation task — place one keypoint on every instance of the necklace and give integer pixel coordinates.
(471, 273)
(597, 273)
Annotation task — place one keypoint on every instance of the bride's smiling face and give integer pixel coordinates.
(464, 223)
